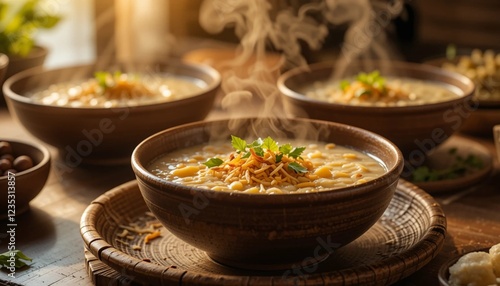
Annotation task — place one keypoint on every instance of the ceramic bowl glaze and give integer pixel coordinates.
(267, 231)
(25, 185)
(104, 135)
(415, 129)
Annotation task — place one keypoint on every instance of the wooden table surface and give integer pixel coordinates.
(49, 232)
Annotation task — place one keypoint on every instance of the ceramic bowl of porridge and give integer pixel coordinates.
(483, 68)
(415, 106)
(261, 193)
(96, 115)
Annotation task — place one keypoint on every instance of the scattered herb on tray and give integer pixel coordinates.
(460, 167)
(19, 259)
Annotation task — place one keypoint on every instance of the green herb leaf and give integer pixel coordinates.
(259, 151)
(255, 143)
(360, 92)
(344, 84)
(286, 148)
(279, 157)
(296, 152)
(213, 162)
(451, 52)
(371, 79)
(459, 167)
(19, 257)
(239, 144)
(269, 144)
(102, 78)
(297, 167)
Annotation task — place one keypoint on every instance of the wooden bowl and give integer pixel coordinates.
(104, 135)
(267, 232)
(414, 129)
(28, 183)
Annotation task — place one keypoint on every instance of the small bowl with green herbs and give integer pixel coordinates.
(415, 106)
(458, 164)
(97, 115)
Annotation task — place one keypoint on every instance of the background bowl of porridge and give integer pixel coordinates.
(483, 68)
(415, 106)
(257, 209)
(97, 115)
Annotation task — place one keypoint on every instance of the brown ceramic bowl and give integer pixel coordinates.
(35, 58)
(444, 270)
(28, 183)
(414, 129)
(267, 231)
(487, 114)
(104, 135)
(4, 63)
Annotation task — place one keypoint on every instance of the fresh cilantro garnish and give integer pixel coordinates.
(19, 257)
(297, 167)
(102, 78)
(451, 52)
(370, 82)
(360, 92)
(213, 162)
(371, 79)
(107, 79)
(344, 84)
(286, 148)
(259, 147)
(296, 152)
(269, 144)
(239, 144)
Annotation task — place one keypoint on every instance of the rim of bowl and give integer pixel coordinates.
(242, 198)
(467, 94)
(34, 145)
(4, 61)
(8, 92)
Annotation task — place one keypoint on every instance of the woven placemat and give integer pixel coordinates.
(409, 234)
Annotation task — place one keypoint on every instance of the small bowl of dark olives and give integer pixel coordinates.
(24, 169)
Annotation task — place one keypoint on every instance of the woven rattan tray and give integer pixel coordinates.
(409, 234)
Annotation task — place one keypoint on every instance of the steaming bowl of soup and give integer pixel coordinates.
(266, 225)
(423, 105)
(97, 115)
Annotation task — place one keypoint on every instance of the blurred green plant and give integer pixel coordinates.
(19, 22)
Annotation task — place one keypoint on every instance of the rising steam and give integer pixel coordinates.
(261, 26)
(257, 30)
